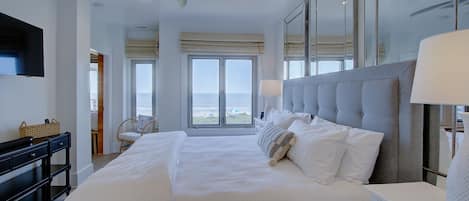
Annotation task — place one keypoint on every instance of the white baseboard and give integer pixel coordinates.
(78, 177)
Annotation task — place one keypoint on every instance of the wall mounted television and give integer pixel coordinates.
(21, 48)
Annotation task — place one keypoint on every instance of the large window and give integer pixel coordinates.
(222, 91)
(143, 88)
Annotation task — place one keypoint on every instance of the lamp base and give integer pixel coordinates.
(458, 173)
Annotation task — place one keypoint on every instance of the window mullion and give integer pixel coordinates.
(222, 101)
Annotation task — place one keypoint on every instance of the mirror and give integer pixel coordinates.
(331, 25)
(294, 60)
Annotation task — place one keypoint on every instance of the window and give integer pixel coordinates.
(294, 68)
(329, 66)
(143, 88)
(222, 91)
(93, 87)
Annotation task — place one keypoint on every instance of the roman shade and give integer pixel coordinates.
(252, 44)
(142, 48)
(330, 47)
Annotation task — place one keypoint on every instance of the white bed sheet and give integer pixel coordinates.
(145, 172)
(235, 169)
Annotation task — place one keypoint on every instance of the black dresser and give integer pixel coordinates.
(34, 182)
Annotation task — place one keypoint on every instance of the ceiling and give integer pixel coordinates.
(129, 13)
(139, 13)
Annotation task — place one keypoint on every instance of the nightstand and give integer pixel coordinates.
(418, 191)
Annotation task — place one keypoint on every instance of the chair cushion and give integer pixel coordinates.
(129, 136)
(142, 122)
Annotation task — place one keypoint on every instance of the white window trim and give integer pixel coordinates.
(222, 124)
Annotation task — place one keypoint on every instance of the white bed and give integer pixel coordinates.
(235, 169)
(172, 167)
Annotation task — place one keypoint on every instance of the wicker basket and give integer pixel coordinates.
(40, 130)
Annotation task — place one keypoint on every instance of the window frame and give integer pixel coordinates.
(133, 101)
(222, 89)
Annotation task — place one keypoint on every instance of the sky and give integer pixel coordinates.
(205, 76)
(144, 75)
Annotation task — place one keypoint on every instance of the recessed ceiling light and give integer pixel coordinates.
(97, 4)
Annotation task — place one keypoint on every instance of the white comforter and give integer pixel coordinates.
(209, 169)
(142, 173)
(235, 169)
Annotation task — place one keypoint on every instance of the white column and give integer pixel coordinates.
(73, 109)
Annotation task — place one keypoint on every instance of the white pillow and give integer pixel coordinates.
(360, 156)
(318, 150)
(306, 117)
(284, 119)
(320, 121)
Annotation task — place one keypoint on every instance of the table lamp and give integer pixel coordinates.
(270, 88)
(442, 77)
(442, 74)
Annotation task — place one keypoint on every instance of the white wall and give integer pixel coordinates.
(109, 40)
(169, 78)
(73, 106)
(27, 98)
(118, 87)
(172, 76)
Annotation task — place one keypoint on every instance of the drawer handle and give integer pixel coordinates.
(61, 143)
(32, 154)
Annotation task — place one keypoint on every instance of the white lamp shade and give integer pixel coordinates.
(442, 72)
(271, 87)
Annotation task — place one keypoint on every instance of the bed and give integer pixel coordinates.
(174, 167)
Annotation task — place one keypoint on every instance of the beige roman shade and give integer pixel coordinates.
(328, 47)
(142, 48)
(222, 43)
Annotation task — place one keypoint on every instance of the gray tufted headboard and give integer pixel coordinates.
(374, 98)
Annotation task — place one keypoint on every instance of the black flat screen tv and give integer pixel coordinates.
(21, 48)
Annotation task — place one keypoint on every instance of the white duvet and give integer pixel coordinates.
(209, 169)
(142, 173)
(235, 169)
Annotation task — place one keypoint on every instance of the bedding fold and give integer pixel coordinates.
(145, 172)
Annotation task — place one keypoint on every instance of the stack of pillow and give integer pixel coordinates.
(323, 150)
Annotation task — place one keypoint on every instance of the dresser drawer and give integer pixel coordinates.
(59, 143)
(5, 165)
(27, 157)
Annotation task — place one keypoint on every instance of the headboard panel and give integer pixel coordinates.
(374, 98)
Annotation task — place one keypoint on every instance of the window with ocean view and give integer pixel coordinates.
(143, 100)
(222, 91)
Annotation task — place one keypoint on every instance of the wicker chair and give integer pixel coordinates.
(132, 129)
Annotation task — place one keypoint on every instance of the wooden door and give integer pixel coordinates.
(100, 103)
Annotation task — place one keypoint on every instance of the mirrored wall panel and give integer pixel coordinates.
(464, 14)
(294, 61)
(402, 24)
(331, 36)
